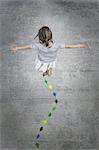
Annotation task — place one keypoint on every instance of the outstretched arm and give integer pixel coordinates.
(83, 45)
(21, 47)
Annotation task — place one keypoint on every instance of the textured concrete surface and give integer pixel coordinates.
(24, 98)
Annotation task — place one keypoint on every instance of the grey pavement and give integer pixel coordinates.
(24, 98)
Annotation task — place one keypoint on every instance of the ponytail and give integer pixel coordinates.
(35, 36)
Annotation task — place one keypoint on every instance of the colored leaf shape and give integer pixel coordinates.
(50, 114)
(37, 145)
(41, 128)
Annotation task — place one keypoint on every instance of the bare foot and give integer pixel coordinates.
(49, 71)
(45, 73)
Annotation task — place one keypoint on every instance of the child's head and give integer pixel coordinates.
(45, 35)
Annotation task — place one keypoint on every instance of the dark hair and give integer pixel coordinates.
(45, 35)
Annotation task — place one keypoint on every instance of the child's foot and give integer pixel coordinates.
(45, 73)
(48, 72)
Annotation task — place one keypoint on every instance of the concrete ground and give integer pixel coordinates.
(25, 100)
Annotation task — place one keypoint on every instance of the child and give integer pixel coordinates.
(47, 50)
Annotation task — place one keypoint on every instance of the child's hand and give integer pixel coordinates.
(14, 49)
(84, 45)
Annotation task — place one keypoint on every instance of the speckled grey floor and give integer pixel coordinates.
(25, 100)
